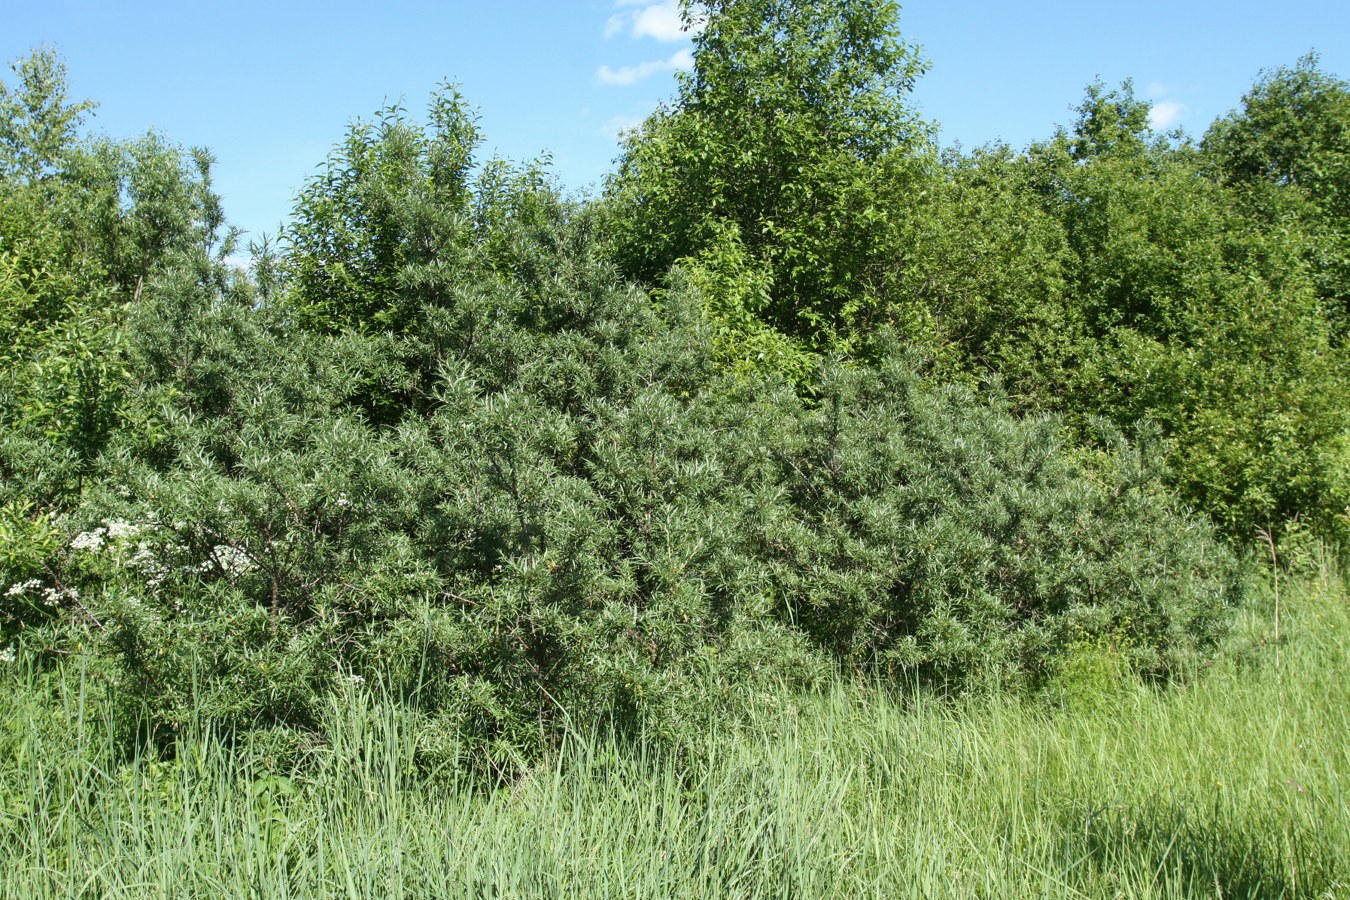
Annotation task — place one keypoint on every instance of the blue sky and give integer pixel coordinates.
(270, 87)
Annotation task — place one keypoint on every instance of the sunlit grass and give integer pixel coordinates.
(1233, 786)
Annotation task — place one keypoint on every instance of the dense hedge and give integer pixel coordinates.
(578, 515)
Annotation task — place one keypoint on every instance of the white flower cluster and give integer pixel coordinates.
(224, 558)
(90, 541)
(120, 531)
(144, 558)
(112, 530)
(134, 546)
(23, 587)
(8, 654)
(148, 563)
(116, 537)
(230, 560)
(49, 596)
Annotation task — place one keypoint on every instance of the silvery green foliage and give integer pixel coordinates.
(931, 532)
(486, 472)
(578, 517)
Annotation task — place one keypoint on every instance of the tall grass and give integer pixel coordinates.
(1237, 785)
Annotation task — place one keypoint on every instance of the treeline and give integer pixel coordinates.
(797, 393)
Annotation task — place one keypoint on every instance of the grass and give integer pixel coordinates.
(1236, 785)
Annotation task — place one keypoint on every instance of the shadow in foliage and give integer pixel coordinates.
(1185, 853)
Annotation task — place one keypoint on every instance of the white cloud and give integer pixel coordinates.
(626, 75)
(1163, 115)
(660, 20)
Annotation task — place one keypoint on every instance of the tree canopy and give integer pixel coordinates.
(771, 167)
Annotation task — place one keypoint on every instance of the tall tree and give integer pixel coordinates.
(1288, 150)
(764, 172)
(1198, 316)
(392, 195)
(84, 225)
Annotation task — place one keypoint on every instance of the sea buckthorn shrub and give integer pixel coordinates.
(585, 521)
(471, 464)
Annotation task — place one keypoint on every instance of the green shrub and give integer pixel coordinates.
(1089, 673)
(483, 470)
(931, 531)
(789, 138)
(590, 522)
(1105, 272)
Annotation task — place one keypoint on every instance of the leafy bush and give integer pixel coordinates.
(84, 224)
(1102, 273)
(444, 446)
(1285, 152)
(1110, 271)
(590, 521)
(553, 537)
(778, 158)
(933, 532)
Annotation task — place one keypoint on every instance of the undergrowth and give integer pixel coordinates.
(1234, 785)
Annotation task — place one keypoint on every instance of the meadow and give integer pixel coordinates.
(1233, 785)
(813, 511)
